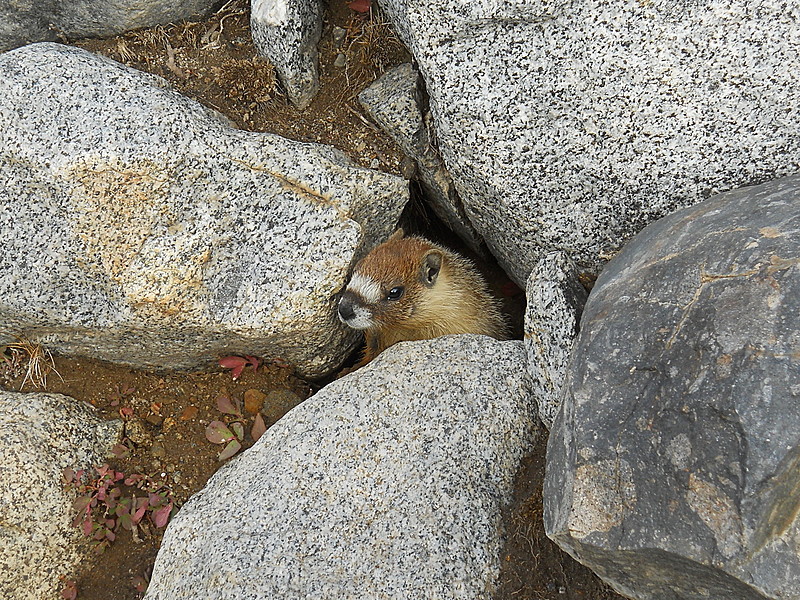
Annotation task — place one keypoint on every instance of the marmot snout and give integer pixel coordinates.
(409, 288)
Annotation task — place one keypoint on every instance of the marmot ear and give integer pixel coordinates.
(397, 235)
(430, 267)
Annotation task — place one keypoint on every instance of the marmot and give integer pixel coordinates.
(409, 288)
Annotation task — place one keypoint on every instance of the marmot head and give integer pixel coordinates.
(389, 284)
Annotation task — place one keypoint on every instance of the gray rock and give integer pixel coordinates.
(287, 33)
(674, 464)
(157, 236)
(24, 21)
(395, 103)
(555, 300)
(572, 125)
(40, 436)
(388, 483)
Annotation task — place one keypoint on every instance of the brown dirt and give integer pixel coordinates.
(213, 61)
(169, 413)
(533, 567)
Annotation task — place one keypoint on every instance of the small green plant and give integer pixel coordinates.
(232, 434)
(107, 501)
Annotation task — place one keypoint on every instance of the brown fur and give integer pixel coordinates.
(443, 294)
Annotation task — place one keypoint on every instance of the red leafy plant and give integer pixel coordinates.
(107, 501)
(237, 364)
(69, 588)
(120, 394)
(360, 6)
(140, 582)
(232, 434)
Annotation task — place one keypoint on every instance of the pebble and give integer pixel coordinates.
(278, 402)
(253, 401)
(157, 450)
(339, 34)
(136, 431)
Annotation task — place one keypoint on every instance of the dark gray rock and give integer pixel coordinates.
(287, 33)
(571, 125)
(388, 483)
(395, 102)
(23, 22)
(555, 300)
(674, 466)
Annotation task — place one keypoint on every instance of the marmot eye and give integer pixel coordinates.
(395, 293)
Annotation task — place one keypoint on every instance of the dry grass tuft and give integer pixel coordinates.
(372, 48)
(30, 358)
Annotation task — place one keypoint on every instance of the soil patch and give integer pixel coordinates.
(166, 416)
(534, 567)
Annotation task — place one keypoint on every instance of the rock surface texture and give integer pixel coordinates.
(555, 300)
(287, 32)
(572, 125)
(395, 102)
(388, 483)
(156, 235)
(674, 466)
(26, 21)
(40, 436)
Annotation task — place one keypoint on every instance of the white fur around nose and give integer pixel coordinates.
(361, 320)
(366, 287)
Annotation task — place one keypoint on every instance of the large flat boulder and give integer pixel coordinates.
(388, 483)
(141, 228)
(571, 125)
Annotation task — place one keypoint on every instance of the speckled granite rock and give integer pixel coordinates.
(23, 22)
(394, 103)
(156, 235)
(571, 125)
(674, 464)
(388, 483)
(287, 33)
(40, 436)
(555, 300)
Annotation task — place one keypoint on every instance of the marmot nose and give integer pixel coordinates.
(346, 311)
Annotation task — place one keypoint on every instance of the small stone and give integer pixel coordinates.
(136, 431)
(278, 402)
(341, 60)
(287, 34)
(253, 401)
(189, 413)
(339, 34)
(157, 450)
(408, 168)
